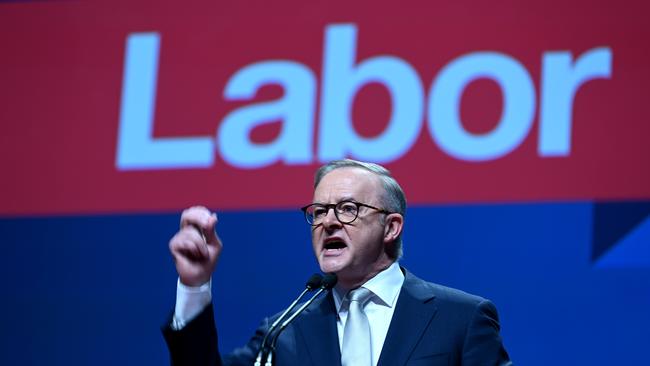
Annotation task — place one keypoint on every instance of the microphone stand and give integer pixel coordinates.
(329, 280)
(314, 281)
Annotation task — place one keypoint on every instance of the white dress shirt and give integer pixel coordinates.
(385, 286)
(190, 301)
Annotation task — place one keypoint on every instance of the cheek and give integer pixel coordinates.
(370, 241)
(315, 232)
(314, 248)
(314, 237)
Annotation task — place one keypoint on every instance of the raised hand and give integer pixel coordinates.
(196, 247)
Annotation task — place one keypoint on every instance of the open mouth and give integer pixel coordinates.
(334, 246)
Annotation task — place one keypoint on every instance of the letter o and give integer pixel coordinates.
(444, 100)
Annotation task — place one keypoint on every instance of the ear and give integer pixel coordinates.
(393, 227)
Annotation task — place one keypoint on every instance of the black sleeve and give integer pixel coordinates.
(483, 344)
(196, 344)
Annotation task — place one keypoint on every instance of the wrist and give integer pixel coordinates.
(193, 282)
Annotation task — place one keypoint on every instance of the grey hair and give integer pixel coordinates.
(393, 198)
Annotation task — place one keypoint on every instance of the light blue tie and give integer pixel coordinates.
(357, 350)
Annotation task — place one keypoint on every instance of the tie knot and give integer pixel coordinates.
(361, 295)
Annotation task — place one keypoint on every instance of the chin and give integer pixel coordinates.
(330, 266)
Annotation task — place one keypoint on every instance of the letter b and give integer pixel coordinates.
(342, 80)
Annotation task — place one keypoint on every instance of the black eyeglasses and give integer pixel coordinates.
(345, 211)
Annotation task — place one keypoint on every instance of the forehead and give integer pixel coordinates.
(348, 183)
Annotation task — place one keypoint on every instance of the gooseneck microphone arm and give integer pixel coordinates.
(329, 281)
(315, 281)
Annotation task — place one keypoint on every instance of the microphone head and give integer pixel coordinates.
(329, 281)
(314, 281)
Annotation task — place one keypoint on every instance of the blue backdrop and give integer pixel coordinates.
(94, 290)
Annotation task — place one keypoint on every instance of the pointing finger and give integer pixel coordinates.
(210, 233)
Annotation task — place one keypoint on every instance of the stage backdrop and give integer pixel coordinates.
(518, 130)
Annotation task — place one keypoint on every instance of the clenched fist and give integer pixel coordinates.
(196, 246)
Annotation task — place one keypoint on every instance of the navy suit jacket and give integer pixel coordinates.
(432, 325)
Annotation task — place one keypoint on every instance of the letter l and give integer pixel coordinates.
(136, 147)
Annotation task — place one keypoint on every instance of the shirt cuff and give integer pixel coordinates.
(190, 301)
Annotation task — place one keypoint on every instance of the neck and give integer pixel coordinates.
(347, 283)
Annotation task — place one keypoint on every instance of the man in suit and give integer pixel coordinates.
(378, 313)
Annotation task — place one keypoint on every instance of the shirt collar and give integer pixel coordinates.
(385, 286)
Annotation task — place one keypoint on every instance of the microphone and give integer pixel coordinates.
(329, 281)
(314, 282)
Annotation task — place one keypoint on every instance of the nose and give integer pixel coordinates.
(330, 220)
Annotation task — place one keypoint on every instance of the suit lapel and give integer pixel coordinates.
(317, 327)
(413, 313)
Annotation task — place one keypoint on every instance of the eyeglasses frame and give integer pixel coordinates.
(329, 206)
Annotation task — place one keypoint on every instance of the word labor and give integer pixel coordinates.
(342, 77)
